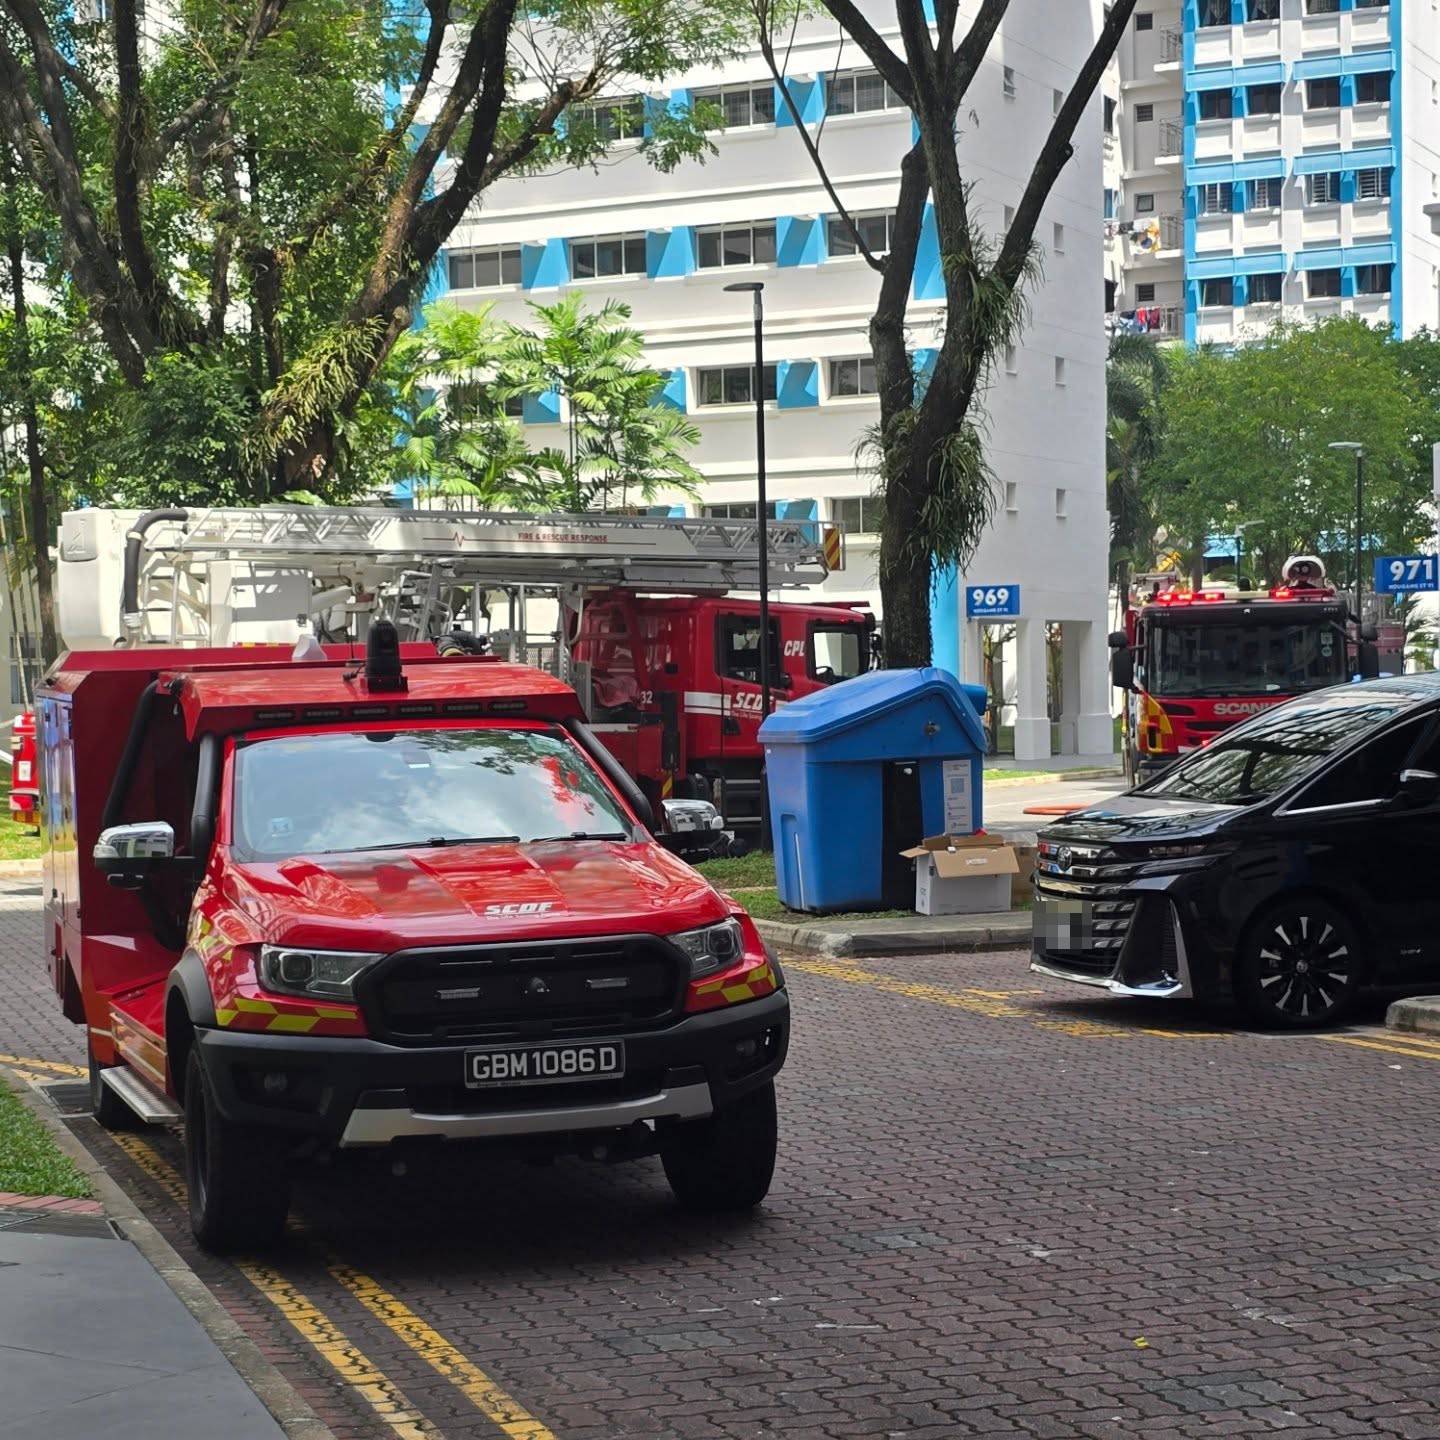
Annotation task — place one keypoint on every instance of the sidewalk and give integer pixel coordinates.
(901, 935)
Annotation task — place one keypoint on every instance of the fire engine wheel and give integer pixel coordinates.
(237, 1176)
(1299, 965)
(725, 1162)
(106, 1106)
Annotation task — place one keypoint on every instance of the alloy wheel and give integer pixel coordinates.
(1306, 967)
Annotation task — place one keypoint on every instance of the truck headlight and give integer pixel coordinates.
(293, 970)
(712, 948)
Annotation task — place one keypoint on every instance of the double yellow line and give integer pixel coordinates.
(29, 1068)
(354, 1367)
(1393, 1042)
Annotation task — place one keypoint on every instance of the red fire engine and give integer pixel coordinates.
(1194, 662)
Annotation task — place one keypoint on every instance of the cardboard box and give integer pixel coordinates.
(962, 874)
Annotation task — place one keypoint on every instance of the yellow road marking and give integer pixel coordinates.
(989, 1003)
(1401, 1049)
(432, 1347)
(1403, 1037)
(58, 1065)
(313, 1325)
(32, 1076)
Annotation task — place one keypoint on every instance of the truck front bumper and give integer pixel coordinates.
(355, 1092)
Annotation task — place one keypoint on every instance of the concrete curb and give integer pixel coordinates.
(1419, 1014)
(899, 939)
(278, 1396)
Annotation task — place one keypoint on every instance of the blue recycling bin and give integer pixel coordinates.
(863, 770)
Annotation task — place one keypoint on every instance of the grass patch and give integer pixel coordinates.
(1017, 774)
(754, 869)
(30, 1162)
(766, 905)
(17, 842)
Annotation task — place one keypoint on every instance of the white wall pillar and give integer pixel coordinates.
(1095, 729)
(1070, 637)
(972, 658)
(1032, 719)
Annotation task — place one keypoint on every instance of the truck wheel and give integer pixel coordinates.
(237, 1176)
(725, 1162)
(109, 1110)
(1299, 965)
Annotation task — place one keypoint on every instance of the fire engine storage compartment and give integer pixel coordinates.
(863, 770)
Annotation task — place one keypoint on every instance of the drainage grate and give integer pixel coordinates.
(69, 1097)
(47, 1222)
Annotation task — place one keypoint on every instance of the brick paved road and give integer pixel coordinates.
(1001, 1210)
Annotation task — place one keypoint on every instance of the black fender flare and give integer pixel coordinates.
(189, 978)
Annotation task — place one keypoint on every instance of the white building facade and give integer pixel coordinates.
(667, 245)
(1276, 159)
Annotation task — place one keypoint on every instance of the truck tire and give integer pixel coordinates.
(727, 1161)
(109, 1110)
(237, 1176)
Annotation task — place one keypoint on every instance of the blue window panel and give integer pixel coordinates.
(1321, 68)
(797, 384)
(655, 106)
(1321, 164)
(1237, 202)
(1374, 157)
(929, 7)
(945, 619)
(1222, 77)
(929, 281)
(1240, 294)
(1347, 280)
(543, 267)
(1330, 258)
(1220, 173)
(796, 510)
(808, 93)
(670, 252)
(923, 362)
(799, 240)
(1260, 264)
(1371, 254)
(1347, 187)
(1220, 268)
(672, 393)
(1369, 62)
(542, 409)
(1268, 169)
(1109, 204)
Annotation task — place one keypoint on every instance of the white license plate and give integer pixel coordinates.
(543, 1064)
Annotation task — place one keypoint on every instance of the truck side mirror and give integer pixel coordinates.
(1118, 640)
(123, 853)
(1367, 660)
(1368, 631)
(1122, 670)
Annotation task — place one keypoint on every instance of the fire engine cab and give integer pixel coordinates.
(1196, 661)
(354, 898)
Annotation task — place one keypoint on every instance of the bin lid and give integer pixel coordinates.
(838, 708)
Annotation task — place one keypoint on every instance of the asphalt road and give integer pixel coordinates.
(1005, 802)
(1002, 1208)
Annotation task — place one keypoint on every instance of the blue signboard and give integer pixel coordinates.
(991, 602)
(1405, 574)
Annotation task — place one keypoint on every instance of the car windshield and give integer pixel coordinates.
(1264, 755)
(396, 789)
(1247, 659)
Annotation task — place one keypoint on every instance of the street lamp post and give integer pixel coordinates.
(1358, 450)
(1240, 530)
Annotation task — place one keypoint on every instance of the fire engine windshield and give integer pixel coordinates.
(403, 789)
(1251, 658)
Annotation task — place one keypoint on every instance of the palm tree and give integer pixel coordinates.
(1134, 386)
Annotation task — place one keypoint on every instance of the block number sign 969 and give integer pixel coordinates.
(981, 600)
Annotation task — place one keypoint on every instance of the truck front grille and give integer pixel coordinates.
(526, 990)
(1091, 895)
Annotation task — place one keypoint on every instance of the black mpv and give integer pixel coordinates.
(1288, 864)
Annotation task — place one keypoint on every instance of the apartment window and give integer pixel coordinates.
(858, 514)
(1322, 94)
(737, 510)
(1264, 99)
(1012, 497)
(1322, 189)
(1145, 203)
(1267, 194)
(1372, 279)
(857, 91)
(1109, 203)
(874, 231)
(1062, 502)
(1145, 294)
(622, 119)
(723, 245)
(740, 105)
(1322, 7)
(1057, 100)
(1373, 4)
(733, 384)
(1007, 82)
(1059, 245)
(1109, 115)
(601, 256)
(1265, 289)
(853, 377)
(1373, 89)
(1262, 10)
(478, 269)
(1145, 20)
(1217, 104)
(1144, 114)
(1217, 199)
(1009, 216)
(1060, 369)
(1322, 284)
(514, 406)
(1214, 293)
(1214, 13)
(1372, 184)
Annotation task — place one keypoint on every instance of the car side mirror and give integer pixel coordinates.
(1419, 787)
(124, 853)
(1122, 670)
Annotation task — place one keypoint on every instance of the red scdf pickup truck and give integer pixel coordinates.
(307, 904)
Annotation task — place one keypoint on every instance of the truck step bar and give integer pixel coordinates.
(141, 1096)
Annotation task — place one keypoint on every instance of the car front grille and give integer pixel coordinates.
(1090, 891)
(524, 991)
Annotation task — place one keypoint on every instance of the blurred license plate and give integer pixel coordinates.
(1061, 924)
(543, 1064)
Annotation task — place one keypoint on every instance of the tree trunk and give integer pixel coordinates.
(38, 501)
(905, 587)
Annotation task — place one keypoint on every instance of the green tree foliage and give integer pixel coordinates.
(1247, 435)
(1134, 425)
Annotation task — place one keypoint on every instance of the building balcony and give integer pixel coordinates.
(1170, 146)
(1172, 51)
(1159, 322)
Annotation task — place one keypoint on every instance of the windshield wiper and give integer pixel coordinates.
(434, 842)
(583, 835)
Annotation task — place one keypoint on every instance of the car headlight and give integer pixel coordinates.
(1176, 859)
(712, 948)
(294, 970)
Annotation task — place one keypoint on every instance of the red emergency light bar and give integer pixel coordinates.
(1301, 592)
(1189, 597)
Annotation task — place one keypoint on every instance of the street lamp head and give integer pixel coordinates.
(1352, 445)
(749, 287)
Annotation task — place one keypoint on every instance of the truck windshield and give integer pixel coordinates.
(1264, 755)
(319, 794)
(838, 652)
(1253, 658)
